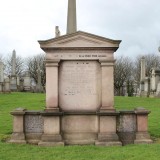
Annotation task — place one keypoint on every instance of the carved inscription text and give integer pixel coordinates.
(79, 85)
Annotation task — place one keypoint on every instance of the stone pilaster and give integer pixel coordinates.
(52, 85)
(18, 126)
(51, 135)
(107, 135)
(142, 135)
(107, 86)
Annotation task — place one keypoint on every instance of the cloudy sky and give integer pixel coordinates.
(135, 22)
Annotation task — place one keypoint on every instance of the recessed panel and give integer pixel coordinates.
(79, 85)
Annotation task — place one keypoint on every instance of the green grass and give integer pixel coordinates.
(152, 104)
(32, 101)
(8, 102)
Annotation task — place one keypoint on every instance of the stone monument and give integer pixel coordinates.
(79, 96)
(149, 86)
(1, 77)
(13, 78)
(27, 82)
(39, 87)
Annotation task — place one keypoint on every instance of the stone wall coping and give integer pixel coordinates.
(79, 113)
(51, 113)
(108, 113)
(127, 112)
(141, 111)
(33, 112)
(138, 111)
(18, 111)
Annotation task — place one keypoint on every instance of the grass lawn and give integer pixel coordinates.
(32, 101)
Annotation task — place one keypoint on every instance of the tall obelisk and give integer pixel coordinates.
(13, 63)
(71, 19)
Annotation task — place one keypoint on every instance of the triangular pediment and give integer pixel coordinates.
(79, 39)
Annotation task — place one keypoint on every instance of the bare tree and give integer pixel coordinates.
(20, 66)
(122, 73)
(32, 66)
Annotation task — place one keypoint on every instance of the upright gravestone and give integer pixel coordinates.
(27, 82)
(39, 84)
(7, 85)
(1, 76)
(1, 72)
(13, 80)
(143, 79)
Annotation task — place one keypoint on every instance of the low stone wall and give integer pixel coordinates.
(80, 128)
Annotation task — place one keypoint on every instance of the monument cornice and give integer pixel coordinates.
(80, 33)
(48, 49)
(52, 63)
(109, 62)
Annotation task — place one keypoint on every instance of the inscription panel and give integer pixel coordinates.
(33, 124)
(80, 55)
(79, 85)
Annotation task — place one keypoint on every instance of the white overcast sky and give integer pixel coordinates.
(135, 22)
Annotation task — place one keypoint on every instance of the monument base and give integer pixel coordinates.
(80, 128)
(51, 140)
(98, 143)
(143, 138)
(18, 138)
(110, 139)
(51, 144)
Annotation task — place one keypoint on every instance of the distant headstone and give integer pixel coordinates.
(27, 82)
(1, 76)
(57, 32)
(39, 84)
(143, 68)
(7, 85)
(1, 72)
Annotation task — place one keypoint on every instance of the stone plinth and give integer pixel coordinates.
(79, 128)
(18, 135)
(142, 135)
(51, 133)
(107, 135)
